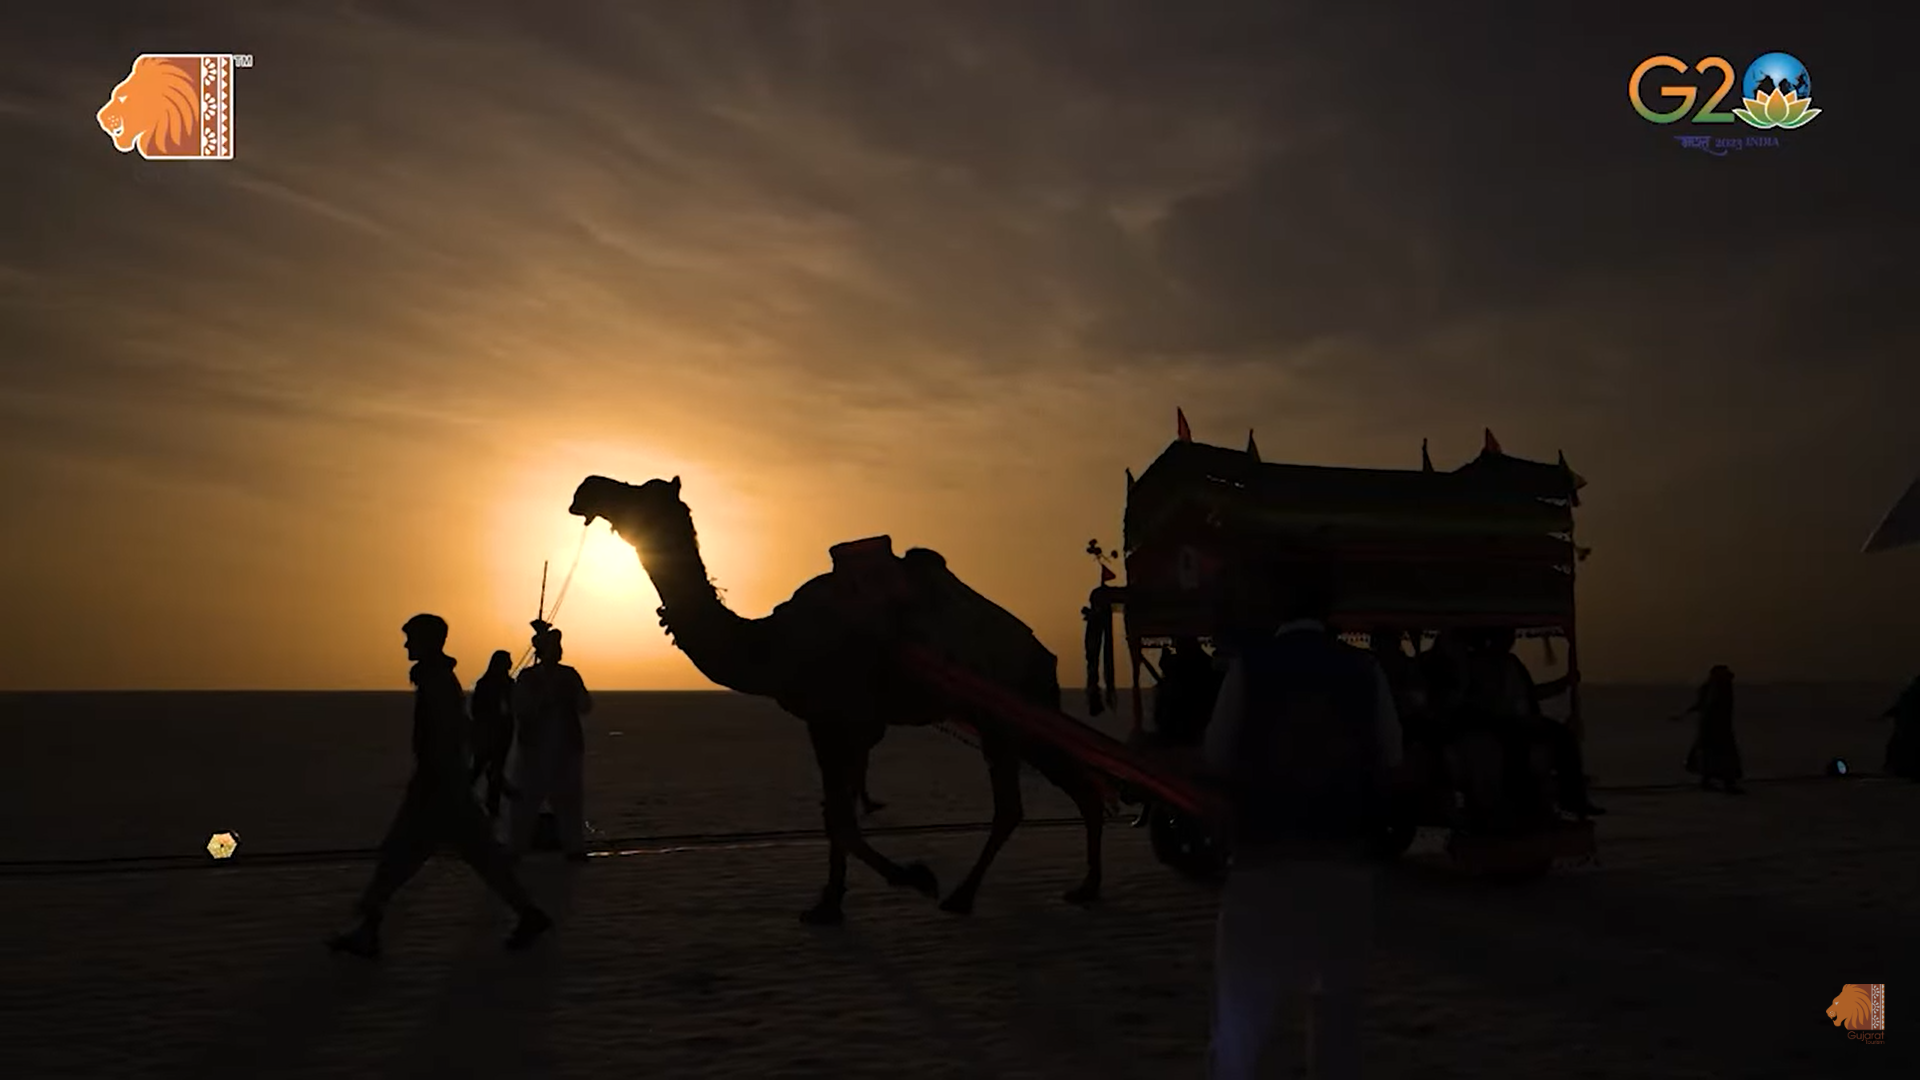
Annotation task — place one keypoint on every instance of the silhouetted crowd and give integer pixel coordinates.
(1311, 740)
(522, 743)
(1467, 682)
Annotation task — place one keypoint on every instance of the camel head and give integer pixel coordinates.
(649, 516)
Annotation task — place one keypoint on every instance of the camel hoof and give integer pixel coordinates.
(919, 877)
(1085, 894)
(823, 915)
(957, 904)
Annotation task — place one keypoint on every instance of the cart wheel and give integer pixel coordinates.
(1185, 845)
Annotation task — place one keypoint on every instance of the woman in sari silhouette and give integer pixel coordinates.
(1715, 755)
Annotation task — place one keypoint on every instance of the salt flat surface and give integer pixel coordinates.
(1706, 944)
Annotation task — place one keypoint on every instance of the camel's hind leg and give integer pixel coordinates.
(842, 761)
(1003, 772)
(1092, 804)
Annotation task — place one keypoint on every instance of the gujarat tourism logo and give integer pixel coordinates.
(1775, 91)
(175, 106)
(1861, 1008)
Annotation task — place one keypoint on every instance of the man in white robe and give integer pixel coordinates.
(549, 699)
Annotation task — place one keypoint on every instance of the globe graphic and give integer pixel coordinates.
(1776, 71)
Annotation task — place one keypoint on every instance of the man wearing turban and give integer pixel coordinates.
(549, 699)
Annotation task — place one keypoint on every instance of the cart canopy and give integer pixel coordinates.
(1489, 543)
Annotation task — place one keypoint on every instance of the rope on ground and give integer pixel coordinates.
(126, 864)
(123, 864)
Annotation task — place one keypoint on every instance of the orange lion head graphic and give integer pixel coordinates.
(156, 108)
(1853, 1008)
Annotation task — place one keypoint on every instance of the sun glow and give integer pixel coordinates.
(608, 610)
(608, 571)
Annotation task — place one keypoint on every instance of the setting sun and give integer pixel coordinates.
(607, 610)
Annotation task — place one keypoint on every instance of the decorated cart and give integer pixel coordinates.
(1487, 545)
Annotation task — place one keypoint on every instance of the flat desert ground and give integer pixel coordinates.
(1706, 942)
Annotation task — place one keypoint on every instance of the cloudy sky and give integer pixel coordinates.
(939, 270)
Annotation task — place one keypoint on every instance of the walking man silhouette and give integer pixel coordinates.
(1305, 736)
(439, 808)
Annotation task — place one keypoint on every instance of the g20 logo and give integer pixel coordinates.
(1775, 90)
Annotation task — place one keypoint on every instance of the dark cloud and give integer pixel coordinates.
(1477, 168)
(909, 235)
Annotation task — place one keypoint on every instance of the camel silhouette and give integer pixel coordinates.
(827, 655)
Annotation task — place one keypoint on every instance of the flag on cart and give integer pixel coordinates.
(1181, 430)
(1492, 445)
(1107, 574)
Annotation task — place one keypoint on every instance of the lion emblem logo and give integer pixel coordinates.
(1859, 1007)
(172, 108)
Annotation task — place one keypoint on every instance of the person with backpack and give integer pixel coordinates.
(1305, 740)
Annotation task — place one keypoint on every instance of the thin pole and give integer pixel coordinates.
(1139, 711)
(1576, 722)
(559, 599)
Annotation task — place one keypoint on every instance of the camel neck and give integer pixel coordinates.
(724, 646)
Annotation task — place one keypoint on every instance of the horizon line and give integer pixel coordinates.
(1065, 690)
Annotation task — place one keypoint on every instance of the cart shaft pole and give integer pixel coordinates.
(1139, 711)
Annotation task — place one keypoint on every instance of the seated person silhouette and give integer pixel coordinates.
(1503, 698)
(1183, 698)
(1404, 677)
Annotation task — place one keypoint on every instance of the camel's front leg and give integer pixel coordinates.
(827, 912)
(1003, 771)
(868, 804)
(1087, 798)
(842, 765)
(827, 755)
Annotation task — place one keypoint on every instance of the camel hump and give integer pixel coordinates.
(924, 559)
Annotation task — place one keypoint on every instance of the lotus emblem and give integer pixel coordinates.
(1788, 110)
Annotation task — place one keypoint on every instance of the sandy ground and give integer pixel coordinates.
(1706, 944)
